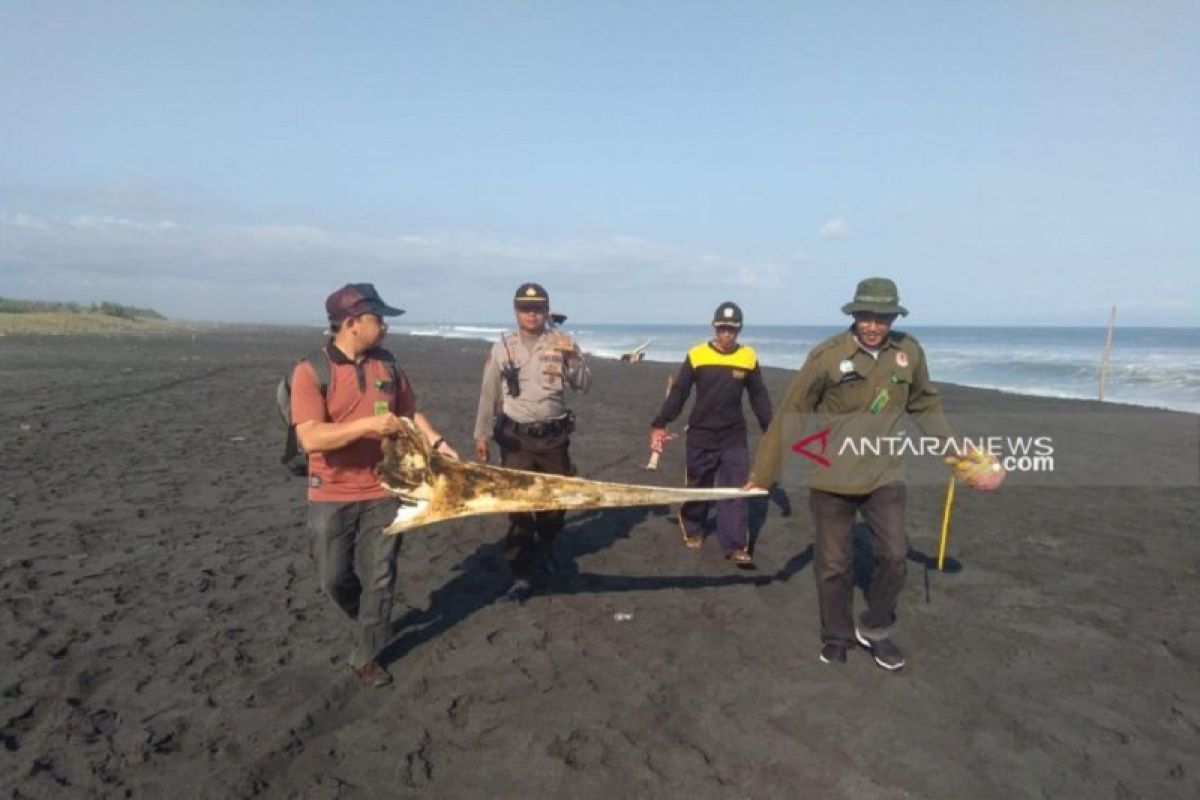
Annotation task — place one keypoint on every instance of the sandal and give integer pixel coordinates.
(741, 558)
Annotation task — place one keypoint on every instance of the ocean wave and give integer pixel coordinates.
(453, 331)
(1147, 367)
(1151, 399)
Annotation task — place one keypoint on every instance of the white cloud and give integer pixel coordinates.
(24, 221)
(182, 268)
(834, 228)
(116, 226)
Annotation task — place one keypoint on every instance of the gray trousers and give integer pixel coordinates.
(356, 563)
(833, 559)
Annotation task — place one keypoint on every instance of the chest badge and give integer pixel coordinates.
(846, 366)
(901, 359)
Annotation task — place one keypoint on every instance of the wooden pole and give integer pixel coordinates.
(1112, 322)
(652, 464)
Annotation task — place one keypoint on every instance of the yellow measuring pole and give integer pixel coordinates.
(946, 521)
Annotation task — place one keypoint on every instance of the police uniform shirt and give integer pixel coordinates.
(543, 377)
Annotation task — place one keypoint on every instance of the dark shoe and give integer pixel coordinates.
(520, 590)
(833, 653)
(547, 564)
(885, 651)
(741, 558)
(372, 675)
(692, 541)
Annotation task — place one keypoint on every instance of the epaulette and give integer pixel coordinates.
(828, 344)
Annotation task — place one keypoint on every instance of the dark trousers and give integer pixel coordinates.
(833, 560)
(356, 562)
(724, 467)
(530, 537)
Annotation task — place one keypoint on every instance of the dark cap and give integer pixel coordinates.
(728, 315)
(531, 294)
(355, 299)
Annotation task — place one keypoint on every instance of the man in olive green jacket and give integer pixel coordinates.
(853, 391)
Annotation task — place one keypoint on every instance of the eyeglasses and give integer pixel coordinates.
(534, 310)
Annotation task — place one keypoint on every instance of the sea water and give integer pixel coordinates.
(1156, 367)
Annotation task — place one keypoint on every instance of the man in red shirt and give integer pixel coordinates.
(342, 432)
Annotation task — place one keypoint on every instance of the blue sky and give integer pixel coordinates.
(1006, 163)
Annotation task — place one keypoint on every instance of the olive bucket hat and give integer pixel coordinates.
(876, 295)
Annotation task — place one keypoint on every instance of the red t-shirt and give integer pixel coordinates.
(350, 473)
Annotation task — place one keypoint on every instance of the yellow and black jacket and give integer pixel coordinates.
(720, 378)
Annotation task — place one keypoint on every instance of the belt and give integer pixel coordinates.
(539, 430)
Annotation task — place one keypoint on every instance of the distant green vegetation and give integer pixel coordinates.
(10, 306)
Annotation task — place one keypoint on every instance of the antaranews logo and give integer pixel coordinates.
(1016, 453)
(819, 441)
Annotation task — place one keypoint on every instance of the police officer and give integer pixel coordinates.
(857, 385)
(722, 371)
(522, 406)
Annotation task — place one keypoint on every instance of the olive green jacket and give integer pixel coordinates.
(841, 404)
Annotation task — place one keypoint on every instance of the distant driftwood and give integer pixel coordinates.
(636, 354)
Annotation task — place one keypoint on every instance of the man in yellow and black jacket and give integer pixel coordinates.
(717, 455)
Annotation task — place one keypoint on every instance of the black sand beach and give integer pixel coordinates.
(164, 635)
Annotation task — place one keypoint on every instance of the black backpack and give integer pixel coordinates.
(294, 458)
